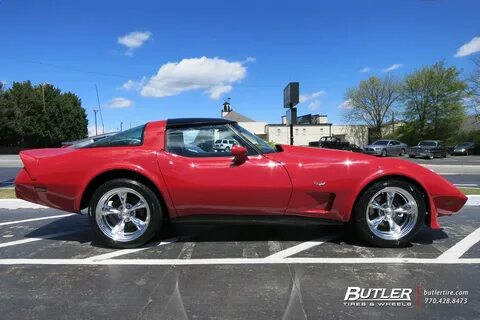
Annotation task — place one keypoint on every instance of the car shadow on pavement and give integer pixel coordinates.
(76, 229)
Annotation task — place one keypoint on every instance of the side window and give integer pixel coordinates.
(130, 137)
(202, 141)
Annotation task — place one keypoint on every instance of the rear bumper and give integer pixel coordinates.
(36, 192)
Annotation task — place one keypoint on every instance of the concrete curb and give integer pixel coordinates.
(473, 201)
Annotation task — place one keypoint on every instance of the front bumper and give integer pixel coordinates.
(372, 151)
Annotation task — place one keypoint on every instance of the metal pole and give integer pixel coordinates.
(121, 126)
(291, 126)
(96, 130)
(100, 109)
(393, 123)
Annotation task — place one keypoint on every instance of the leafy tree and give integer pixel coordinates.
(433, 103)
(371, 102)
(40, 116)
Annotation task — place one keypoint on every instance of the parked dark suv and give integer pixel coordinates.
(428, 149)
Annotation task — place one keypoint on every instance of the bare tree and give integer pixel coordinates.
(474, 94)
(371, 101)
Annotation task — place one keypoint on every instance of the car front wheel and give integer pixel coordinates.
(389, 213)
(124, 213)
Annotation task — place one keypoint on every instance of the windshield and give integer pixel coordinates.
(380, 143)
(464, 145)
(255, 140)
(427, 143)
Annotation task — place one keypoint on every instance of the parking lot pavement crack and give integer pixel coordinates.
(295, 309)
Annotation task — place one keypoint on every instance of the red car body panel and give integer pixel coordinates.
(298, 181)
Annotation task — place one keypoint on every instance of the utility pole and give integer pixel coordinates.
(100, 109)
(121, 126)
(43, 97)
(393, 122)
(95, 112)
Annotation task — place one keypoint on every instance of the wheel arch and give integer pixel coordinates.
(417, 184)
(105, 176)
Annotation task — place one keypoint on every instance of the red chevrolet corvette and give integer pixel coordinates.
(179, 170)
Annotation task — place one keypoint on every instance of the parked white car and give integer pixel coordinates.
(224, 145)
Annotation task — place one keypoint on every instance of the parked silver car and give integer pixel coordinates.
(386, 147)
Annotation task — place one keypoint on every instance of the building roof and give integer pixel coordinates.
(235, 116)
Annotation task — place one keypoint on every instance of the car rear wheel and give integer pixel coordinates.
(389, 213)
(124, 213)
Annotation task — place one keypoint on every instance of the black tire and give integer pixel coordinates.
(152, 202)
(431, 156)
(402, 152)
(411, 156)
(359, 214)
(384, 153)
(227, 149)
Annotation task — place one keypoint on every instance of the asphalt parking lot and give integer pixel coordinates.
(51, 269)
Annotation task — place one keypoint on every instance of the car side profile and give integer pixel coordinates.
(386, 148)
(134, 181)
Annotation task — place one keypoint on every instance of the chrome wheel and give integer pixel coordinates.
(122, 214)
(392, 213)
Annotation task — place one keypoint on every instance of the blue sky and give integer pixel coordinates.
(211, 50)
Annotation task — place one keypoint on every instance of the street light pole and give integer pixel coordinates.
(121, 126)
(95, 112)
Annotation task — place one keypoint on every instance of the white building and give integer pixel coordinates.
(309, 128)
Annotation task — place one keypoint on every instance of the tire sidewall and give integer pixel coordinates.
(152, 201)
(360, 217)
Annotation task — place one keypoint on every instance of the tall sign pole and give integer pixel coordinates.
(291, 96)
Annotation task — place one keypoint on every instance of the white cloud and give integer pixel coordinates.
(134, 85)
(214, 76)
(311, 96)
(134, 40)
(392, 67)
(346, 105)
(250, 59)
(314, 105)
(119, 102)
(468, 48)
(92, 133)
(365, 69)
(217, 91)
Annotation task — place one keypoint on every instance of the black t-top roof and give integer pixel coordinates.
(185, 122)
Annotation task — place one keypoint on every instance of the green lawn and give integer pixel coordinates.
(470, 191)
(7, 194)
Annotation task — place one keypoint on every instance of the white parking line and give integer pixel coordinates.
(465, 184)
(122, 252)
(461, 247)
(19, 204)
(301, 247)
(43, 237)
(235, 261)
(37, 219)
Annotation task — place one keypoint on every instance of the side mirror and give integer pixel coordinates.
(239, 153)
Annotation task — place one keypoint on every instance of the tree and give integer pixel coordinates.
(433, 102)
(474, 96)
(371, 102)
(40, 116)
